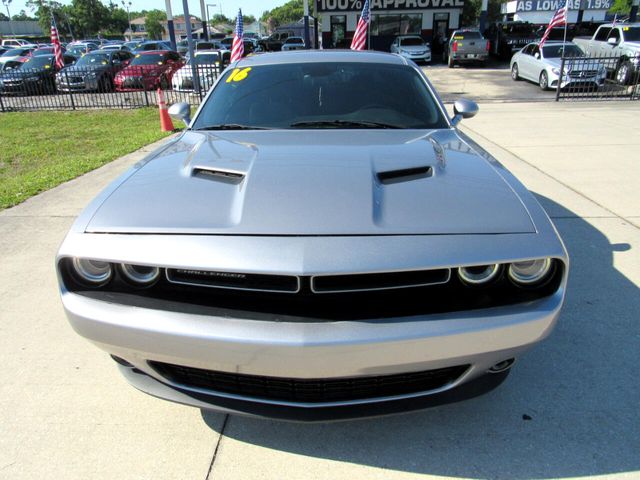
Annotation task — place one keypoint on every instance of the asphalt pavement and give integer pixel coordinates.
(569, 409)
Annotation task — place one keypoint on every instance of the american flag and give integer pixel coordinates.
(57, 50)
(559, 19)
(237, 50)
(359, 41)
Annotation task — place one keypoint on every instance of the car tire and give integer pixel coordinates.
(623, 73)
(515, 74)
(543, 81)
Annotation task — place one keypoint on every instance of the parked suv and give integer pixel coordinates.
(412, 47)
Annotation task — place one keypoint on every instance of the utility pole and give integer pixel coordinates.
(307, 36)
(172, 32)
(483, 15)
(127, 6)
(205, 27)
(194, 70)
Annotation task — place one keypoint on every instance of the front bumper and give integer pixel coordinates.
(309, 350)
(569, 81)
(423, 57)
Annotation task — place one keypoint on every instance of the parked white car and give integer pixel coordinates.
(293, 43)
(542, 65)
(412, 47)
(208, 65)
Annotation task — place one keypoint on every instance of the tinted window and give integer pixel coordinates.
(206, 59)
(602, 34)
(278, 96)
(614, 34)
(411, 41)
(93, 59)
(467, 36)
(631, 34)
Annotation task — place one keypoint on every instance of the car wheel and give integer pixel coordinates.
(515, 76)
(544, 81)
(623, 73)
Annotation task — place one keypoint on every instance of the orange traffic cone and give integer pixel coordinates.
(166, 125)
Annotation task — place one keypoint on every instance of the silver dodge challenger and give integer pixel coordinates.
(320, 243)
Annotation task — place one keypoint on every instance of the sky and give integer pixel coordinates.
(229, 7)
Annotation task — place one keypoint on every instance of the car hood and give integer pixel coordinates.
(315, 182)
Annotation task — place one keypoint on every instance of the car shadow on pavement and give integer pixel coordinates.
(568, 409)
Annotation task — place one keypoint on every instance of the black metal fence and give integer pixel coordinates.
(599, 78)
(76, 88)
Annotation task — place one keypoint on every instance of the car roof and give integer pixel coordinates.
(320, 56)
(621, 24)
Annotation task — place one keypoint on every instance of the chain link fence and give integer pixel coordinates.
(599, 78)
(89, 88)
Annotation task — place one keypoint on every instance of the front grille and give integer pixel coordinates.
(378, 281)
(235, 281)
(583, 74)
(309, 390)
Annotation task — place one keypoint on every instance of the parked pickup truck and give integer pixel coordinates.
(621, 42)
(275, 41)
(508, 37)
(466, 46)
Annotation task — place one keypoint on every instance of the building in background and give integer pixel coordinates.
(541, 11)
(20, 28)
(389, 18)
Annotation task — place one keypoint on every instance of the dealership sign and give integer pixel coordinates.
(356, 5)
(553, 5)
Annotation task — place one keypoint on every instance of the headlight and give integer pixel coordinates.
(555, 71)
(479, 275)
(139, 274)
(530, 272)
(91, 75)
(92, 272)
(32, 79)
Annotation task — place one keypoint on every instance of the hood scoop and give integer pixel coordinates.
(222, 175)
(404, 175)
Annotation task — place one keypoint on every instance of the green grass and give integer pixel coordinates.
(39, 150)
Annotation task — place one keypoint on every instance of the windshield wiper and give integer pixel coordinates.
(342, 124)
(232, 126)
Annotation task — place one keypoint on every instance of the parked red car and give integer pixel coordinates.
(148, 71)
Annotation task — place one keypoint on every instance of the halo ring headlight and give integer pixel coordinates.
(140, 274)
(479, 275)
(93, 272)
(530, 272)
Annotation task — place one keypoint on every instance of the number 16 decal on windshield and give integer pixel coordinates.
(239, 74)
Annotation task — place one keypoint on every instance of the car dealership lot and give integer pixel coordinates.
(569, 408)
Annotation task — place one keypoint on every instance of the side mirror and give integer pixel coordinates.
(537, 55)
(464, 108)
(612, 41)
(181, 111)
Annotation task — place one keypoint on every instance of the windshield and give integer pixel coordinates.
(37, 62)
(321, 95)
(556, 51)
(150, 59)
(93, 59)
(131, 44)
(412, 41)
(631, 34)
